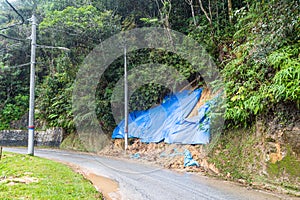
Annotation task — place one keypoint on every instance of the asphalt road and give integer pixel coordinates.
(139, 181)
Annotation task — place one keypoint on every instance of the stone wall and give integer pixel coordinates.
(51, 137)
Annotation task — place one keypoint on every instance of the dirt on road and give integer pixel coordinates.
(106, 186)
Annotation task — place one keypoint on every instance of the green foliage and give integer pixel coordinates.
(147, 91)
(13, 111)
(14, 81)
(79, 28)
(285, 83)
(54, 104)
(265, 68)
(75, 26)
(13, 95)
(255, 88)
(257, 53)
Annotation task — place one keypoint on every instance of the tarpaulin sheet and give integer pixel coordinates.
(168, 122)
(188, 159)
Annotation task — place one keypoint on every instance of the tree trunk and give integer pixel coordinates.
(190, 2)
(165, 16)
(208, 17)
(230, 11)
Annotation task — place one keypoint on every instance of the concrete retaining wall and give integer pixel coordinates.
(51, 137)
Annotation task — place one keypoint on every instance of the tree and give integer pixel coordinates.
(13, 55)
(80, 29)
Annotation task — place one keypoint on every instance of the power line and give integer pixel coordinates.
(17, 24)
(12, 38)
(11, 48)
(8, 46)
(13, 25)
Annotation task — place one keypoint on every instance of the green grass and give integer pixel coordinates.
(54, 180)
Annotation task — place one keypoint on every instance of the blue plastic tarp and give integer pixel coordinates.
(168, 122)
(188, 159)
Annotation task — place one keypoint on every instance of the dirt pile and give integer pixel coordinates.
(170, 156)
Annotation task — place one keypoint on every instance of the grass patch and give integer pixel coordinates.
(28, 177)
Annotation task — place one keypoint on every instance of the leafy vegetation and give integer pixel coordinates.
(27, 177)
(265, 67)
(255, 45)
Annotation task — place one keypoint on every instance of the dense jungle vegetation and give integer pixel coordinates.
(255, 45)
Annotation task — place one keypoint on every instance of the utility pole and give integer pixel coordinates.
(32, 85)
(125, 99)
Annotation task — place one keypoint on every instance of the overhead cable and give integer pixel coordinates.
(22, 18)
(12, 38)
